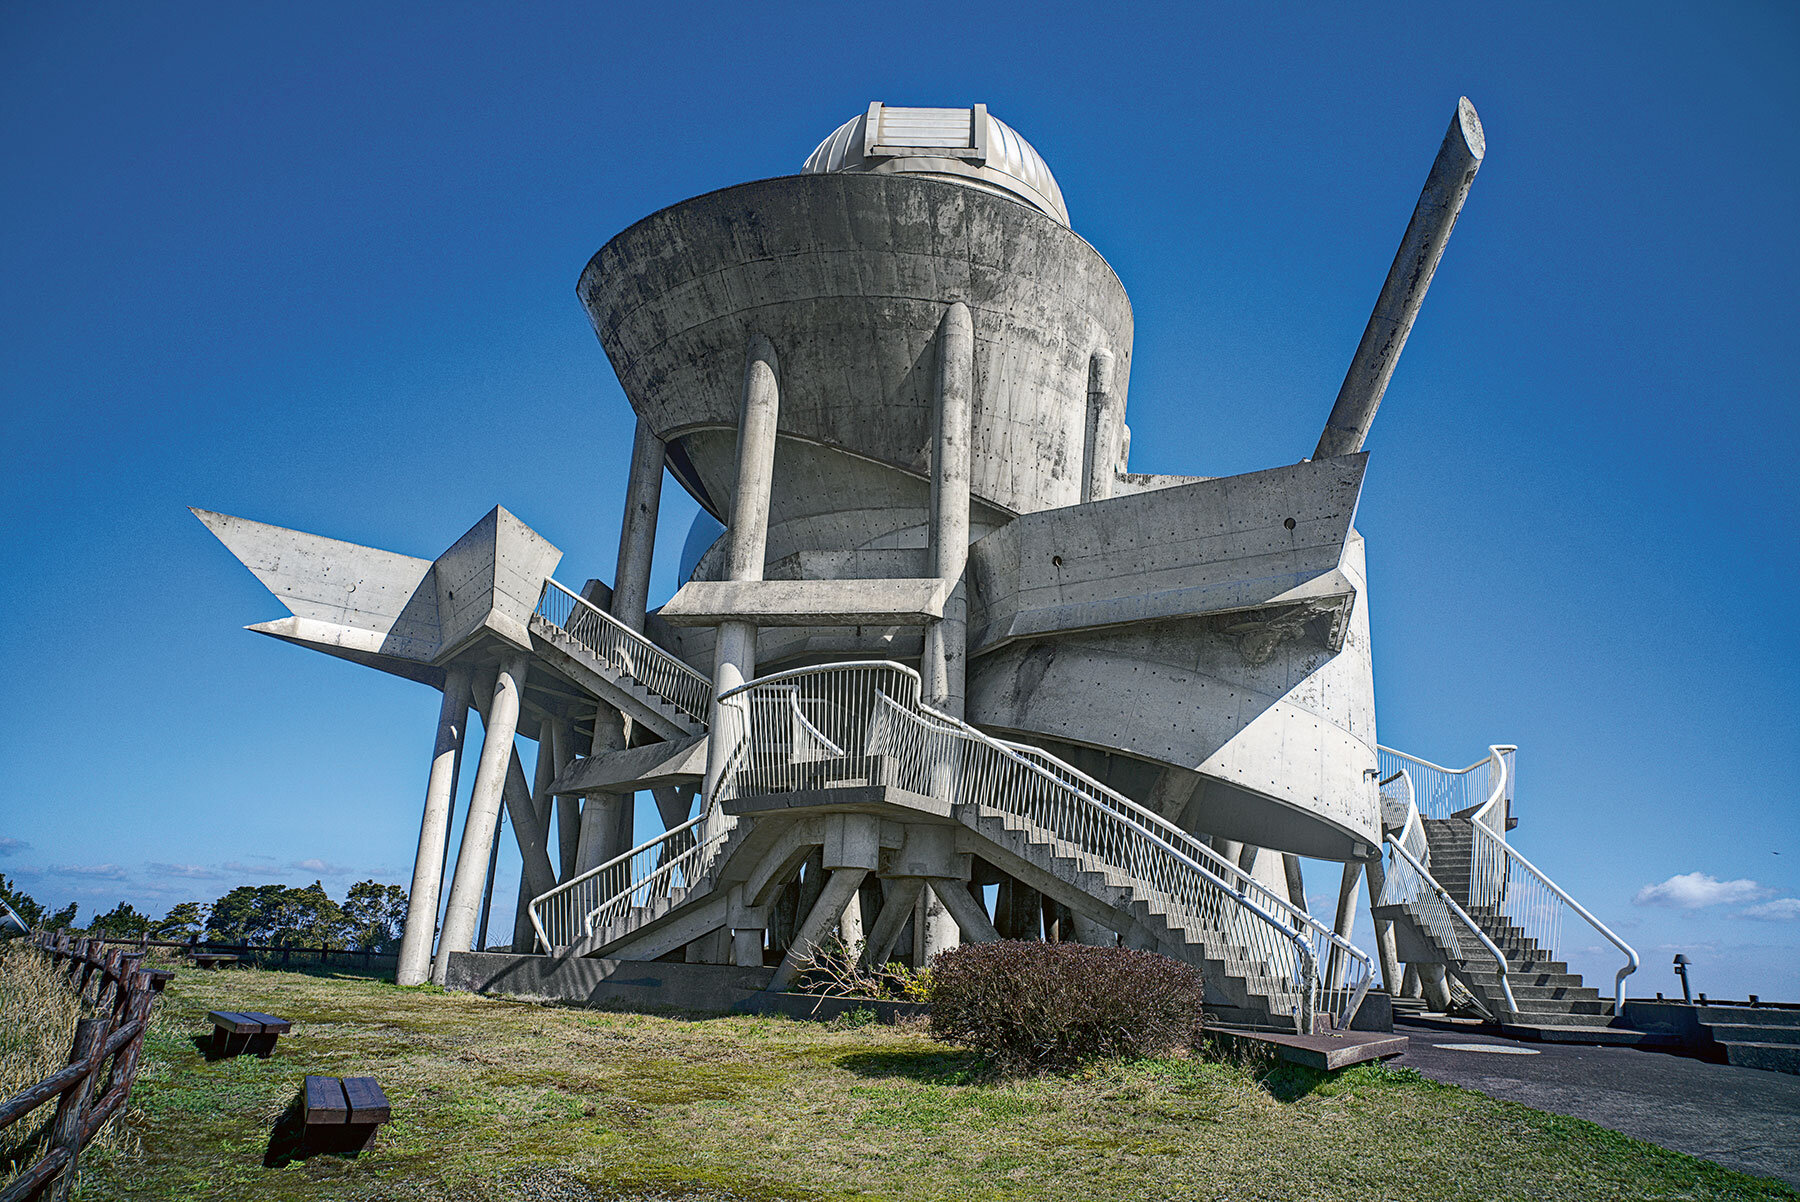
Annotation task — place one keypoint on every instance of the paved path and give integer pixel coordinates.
(1743, 1118)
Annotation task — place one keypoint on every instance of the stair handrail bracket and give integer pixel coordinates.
(625, 650)
(1532, 900)
(873, 715)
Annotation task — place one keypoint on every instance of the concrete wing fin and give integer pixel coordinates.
(340, 594)
(1274, 538)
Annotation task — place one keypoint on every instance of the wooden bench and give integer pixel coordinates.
(342, 1114)
(214, 959)
(236, 1032)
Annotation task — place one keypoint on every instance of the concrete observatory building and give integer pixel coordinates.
(951, 671)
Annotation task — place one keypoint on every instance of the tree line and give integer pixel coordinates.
(369, 918)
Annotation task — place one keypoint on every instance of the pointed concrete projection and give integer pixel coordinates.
(389, 611)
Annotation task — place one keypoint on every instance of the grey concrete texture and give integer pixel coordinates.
(848, 275)
(1742, 1118)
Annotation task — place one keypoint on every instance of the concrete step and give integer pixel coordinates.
(1775, 1057)
(1746, 1033)
(1760, 1016)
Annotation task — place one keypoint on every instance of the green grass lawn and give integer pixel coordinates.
(502, 1100)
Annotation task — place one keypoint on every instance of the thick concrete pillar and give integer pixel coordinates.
(1345, 924)
(1106, 413)
(896, 912)
(972, 923)
(833, 897)
(1458, 159)
(1386, 949)
(637, 534)
(1435, 982)
(944, 665)
(747, 539)
(850, 923)
(484, 812)
(434, 831)
(568, 806)
(605, 828)
(675, 804)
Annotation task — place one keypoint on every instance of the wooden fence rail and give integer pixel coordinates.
(123, 994)
(262, 952)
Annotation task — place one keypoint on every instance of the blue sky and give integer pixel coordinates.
(315, 265)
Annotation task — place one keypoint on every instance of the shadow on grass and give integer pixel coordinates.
(290, 1140)
(929, 1066)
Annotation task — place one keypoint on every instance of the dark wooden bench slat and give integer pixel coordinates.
(368, 1103)
(325, 1101)
(236, 1023)
(271, 1024)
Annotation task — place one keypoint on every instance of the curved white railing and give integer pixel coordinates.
(626, 651)
(851, 721)
(652, 872)
(1502, 880)
(1439, 792)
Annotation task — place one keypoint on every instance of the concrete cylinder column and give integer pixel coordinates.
(1345, 925)
(434, 831)
(484, 812)
(524, 934)
(606, 818)
(1106, 412)
(637, 535)
(944, 663)
(747, 538)
(1386, 947)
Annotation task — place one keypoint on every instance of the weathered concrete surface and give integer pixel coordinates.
(717, 987)
(675, 762)
(489, 581)
(848, 276)
(807, 602)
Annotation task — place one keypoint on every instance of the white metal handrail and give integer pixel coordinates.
(1409, 883)
(1441, 792)
(626, 651)
(651, 872)
(873, 711)
(1532, 901)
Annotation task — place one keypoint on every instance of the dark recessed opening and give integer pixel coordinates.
(1289, 523)
(1057, 560)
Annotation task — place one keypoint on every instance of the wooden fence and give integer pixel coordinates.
(85, 1098)
(262, 953)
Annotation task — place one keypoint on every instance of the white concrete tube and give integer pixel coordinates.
(1387, 949)
(1106, 412)
(944, 664)
(850, 923)
(1296, 881)
(434, 830)
(1372, 367)
(595, 842)
(1435, 983)
(484, 811)
(747, 538)
(935, 930)
(896, 908)
(568, 806)
(972, 922)
(637, 534)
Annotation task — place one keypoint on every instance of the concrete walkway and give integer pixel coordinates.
(1743, 1118)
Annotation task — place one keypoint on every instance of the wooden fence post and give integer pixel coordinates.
(71, 1108)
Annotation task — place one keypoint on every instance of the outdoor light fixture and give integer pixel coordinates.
(1681, 967)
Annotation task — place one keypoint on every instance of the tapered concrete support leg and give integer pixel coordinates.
(971, 920)
(1410, 985)
(1345, 924)
(943, 667)
(1385, 946)
(1229, 849)
(747, 542)
(850, 924)
(934, 929)
(1018, 912)
(1436, 983)
(544, 771)
(838, 890)
(1296, 881)
(434, 830)
(568, 806)
(896, 912)
(1106, 414)
(675, 805)
(637, 534)
(1247, 857)
(1094, 934)
(484, 813)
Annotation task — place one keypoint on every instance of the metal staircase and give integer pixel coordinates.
(864, 725)
(619, 665)
(1477, 906)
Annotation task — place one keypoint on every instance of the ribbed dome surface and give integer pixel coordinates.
(965, 146)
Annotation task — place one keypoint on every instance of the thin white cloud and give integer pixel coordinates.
(1697, 890)
(1782, 909)
(110, 872)
(192, 872)
(10, 846)
(322, 867)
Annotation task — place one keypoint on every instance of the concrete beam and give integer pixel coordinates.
(899, 602)
(673, 762)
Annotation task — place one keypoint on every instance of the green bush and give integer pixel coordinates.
(1034, 1007)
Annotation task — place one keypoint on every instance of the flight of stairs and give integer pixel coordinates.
(607, 681)
(1552, 1001)
(1241, 989)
